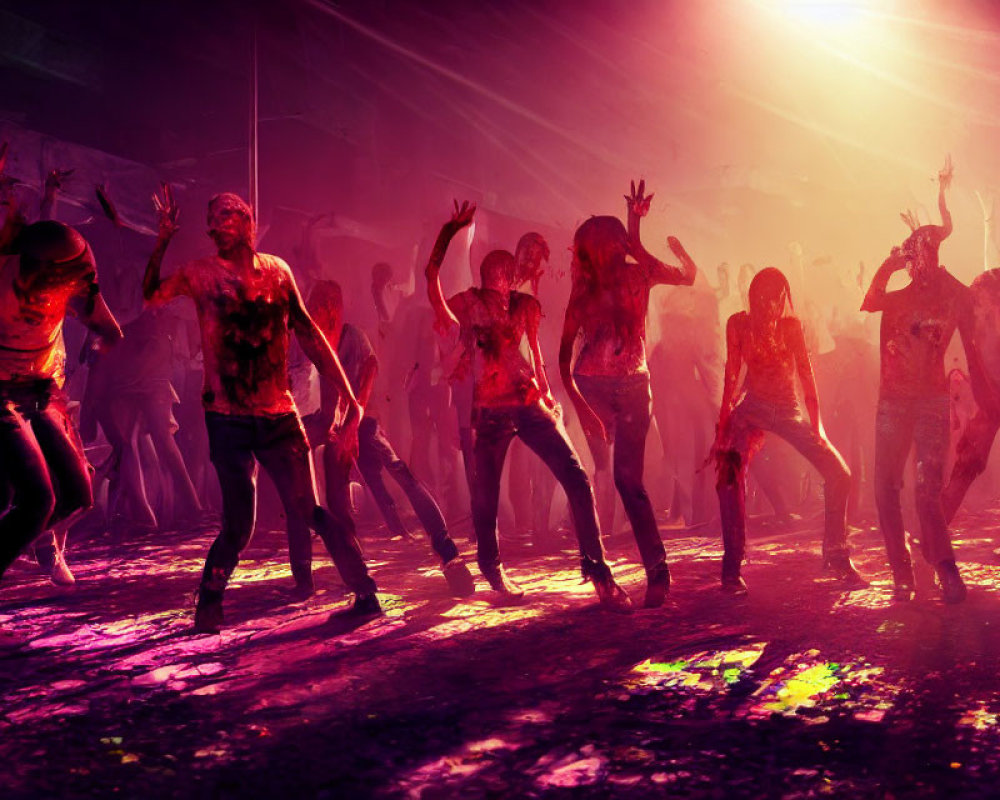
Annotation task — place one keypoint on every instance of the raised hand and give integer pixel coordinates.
(107, 206)
(167, 211)
(946, 174)
(637, 200)
(55, 179)
(461, 216)
(911, 219)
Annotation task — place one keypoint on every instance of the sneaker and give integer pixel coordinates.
(366, 605)
(459, 578)
(503, 585)
(734, 585)
(842, 568)
(952, 586)
(657, 586)
(61, 574)
(208, 617)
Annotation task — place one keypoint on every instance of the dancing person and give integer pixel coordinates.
(609, 381)
(247, 302)
(918, 322)
(511, 398)
(375, 452)
(768, 341)
(47, 270)
(972, 451)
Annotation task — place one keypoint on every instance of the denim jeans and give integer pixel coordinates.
(543, 432)
(376, 454)
(924, 423)
(42, 464)
(624, 407)
(746, 422)
(237, 444)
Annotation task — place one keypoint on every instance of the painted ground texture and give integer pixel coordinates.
(799, 690)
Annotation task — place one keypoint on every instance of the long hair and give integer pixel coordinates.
(769, 285)
(599, 245)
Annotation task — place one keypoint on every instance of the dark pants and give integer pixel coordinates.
(42, 462)
(746, 422)
(375, 454)
(543, 432)
(923, 423)
(623, 405)
(279, 444)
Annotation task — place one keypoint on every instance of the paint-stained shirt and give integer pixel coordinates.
(243, 315)
(31, 326)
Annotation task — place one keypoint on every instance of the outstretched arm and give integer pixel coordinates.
(53, 183)
(90, 308)
(658, 272)
(803, 366)
(13, 215)
(167, 213)
(877, 294)
(533, 322)
(444, 317)
(318, 350)
(984, 390)
(734, 363)
(591, 423)
(944, 181)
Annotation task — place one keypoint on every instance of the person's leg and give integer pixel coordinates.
(494, 431)
(32, 497)
(370, 463)
(893, 436)
(424, 504)
(971, 457)
(544, 433)
(284, 452)
(930, 437)
(836, 481)
(732, 463)
(632, 426)
(122, 421)
(161, 425)
(600, 450)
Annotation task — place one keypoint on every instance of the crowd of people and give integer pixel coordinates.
(472, 391)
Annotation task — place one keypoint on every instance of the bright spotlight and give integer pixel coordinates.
(823, 13)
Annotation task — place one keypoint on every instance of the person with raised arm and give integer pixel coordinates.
(511, 398)
(918, 322)
(608, 382)
(247, 304)
(47, 270)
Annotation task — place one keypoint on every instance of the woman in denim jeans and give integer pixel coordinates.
(768, 340)
(609, 381)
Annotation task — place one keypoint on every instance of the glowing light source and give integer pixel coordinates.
(824, 12)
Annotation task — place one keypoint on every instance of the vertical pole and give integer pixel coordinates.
(254, 189)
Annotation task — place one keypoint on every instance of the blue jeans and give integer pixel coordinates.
(746, 422)
(376, 454)
(542, 431)
(924, 423)
(237, 444)
(624, 407)
(43, 466)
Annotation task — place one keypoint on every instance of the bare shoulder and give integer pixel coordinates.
(527, 303)
(738, 323)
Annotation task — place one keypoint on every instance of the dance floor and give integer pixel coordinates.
(798, 690)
